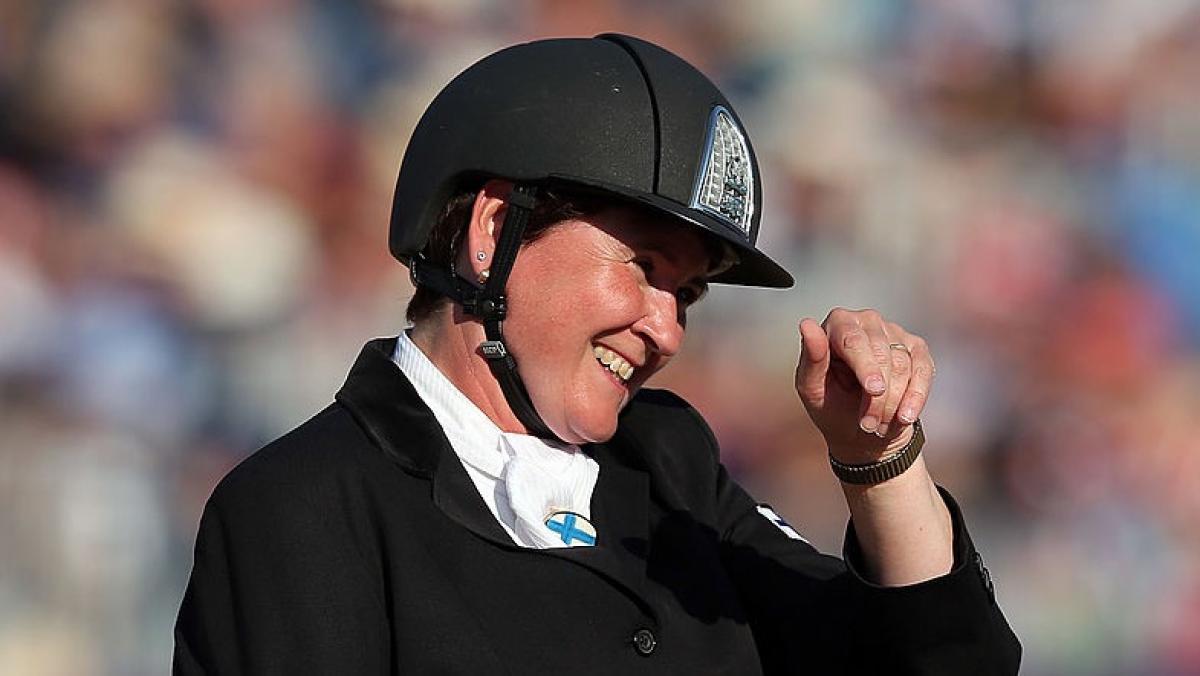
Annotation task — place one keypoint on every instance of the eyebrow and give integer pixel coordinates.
(670, 254)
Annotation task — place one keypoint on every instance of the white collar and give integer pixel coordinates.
(473, 436)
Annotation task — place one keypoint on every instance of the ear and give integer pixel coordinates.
(483, 231)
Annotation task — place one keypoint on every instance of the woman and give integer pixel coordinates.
(494, 491)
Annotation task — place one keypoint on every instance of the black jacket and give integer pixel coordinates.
(357, 544)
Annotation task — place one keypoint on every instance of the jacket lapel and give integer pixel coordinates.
(620, 507)
(392, 413)
(455, 494)
(620, 515)
(394, 416)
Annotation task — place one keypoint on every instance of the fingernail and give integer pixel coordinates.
(907, 415)
(875, 384)
(881, 431)
(869, 423)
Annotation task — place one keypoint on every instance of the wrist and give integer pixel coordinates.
(871, 448)
(888, 466)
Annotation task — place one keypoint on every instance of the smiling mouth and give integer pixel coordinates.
(614, 362)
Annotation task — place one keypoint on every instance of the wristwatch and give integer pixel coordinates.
(890, 467)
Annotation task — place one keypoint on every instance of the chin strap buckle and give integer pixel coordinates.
(493, 349)
(477, 305)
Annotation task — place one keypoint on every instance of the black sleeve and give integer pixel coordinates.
(813, 613)
(278, 586)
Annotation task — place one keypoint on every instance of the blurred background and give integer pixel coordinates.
(194, 198)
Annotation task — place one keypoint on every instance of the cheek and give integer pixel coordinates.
(617, 298)
(552, 312)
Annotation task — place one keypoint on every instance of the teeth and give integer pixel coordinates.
(615, 362)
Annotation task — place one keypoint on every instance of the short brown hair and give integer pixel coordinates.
(553, 206)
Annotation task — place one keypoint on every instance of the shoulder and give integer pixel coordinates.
(663, 416)
(672, 442)
(307, 466)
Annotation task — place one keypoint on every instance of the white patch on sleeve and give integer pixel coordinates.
(770, 515)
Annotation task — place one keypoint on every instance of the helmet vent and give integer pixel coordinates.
(725, 184)
(621, 42)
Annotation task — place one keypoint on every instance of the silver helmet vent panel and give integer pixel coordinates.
(725, 184)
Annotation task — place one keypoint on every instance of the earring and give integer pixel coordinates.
(480, 255)
(483, 275)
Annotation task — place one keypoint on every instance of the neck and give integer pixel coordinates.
(451, 341)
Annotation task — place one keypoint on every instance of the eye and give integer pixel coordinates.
(690, 295)
(646, 265)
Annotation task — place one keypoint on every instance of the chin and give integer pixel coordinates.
(584, 416)
(590, 431)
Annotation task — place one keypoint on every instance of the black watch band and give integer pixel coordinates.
(887, 468)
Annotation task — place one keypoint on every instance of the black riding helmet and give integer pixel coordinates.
(612, 114)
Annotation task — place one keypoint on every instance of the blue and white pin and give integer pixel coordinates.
(572, 528)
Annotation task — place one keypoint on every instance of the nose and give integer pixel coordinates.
(662, 324)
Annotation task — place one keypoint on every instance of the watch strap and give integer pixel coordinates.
(888, 468)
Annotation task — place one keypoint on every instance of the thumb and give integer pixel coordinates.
(813, 367)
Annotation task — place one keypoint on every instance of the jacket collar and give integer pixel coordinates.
(391, 412)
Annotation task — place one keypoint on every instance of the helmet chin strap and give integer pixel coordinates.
(490, 305)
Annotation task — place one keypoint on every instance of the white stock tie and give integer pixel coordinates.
(543, 480)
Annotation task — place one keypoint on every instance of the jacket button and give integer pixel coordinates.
(644, 641)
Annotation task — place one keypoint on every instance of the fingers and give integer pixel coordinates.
(852, 343)
(892, 367)
(898, 378)
(920, 383)
(876, 414)
(909, 382)
(858, 339)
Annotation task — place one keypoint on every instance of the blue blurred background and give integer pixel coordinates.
(193, 205)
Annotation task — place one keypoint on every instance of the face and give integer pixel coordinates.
(596, 307)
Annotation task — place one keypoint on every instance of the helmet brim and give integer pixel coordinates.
(753, 268)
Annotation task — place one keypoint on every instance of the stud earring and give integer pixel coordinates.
(480, 255)
(483, 275)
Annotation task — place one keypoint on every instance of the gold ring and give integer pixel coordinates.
(898, 346)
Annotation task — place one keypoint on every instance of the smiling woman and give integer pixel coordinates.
(497, 483)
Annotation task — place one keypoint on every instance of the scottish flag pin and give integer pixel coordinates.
(572, 528)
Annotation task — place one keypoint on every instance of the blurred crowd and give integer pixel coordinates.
(194, 197)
